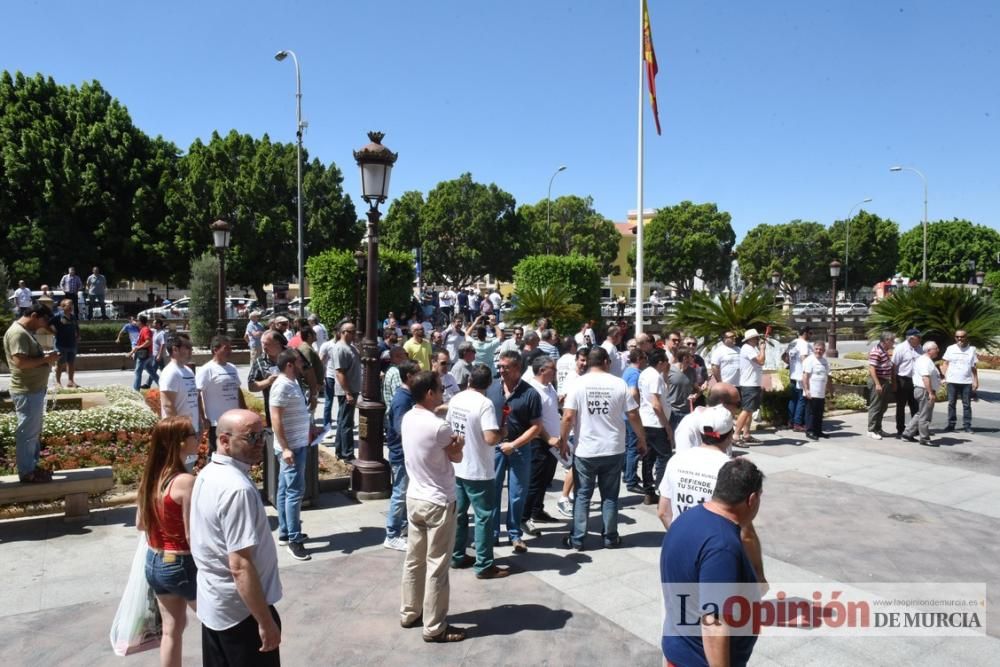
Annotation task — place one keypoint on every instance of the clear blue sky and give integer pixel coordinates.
(774, 110)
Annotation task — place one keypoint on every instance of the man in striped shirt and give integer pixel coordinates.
(881, 383)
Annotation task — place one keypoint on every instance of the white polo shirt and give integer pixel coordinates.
(227, 515)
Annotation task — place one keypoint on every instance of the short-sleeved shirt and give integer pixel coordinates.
(430, 472)
(419, 352)
(960, 364)
(617, 366)
(727, 358)
(390, 383)
(449, 386)
(751, 373)
(67, 331)
(97, 284)
(19, 340)
(159, 338)
(220, 388)
(687, 433)
(903, 357)
(399, 405)
(550, 406)
(145, 336)
(287, 395)
(924, 367)
(818, 370)
(452, 339)
(133, 333)
(690, 477)
(565, 367)
(227, 515)
(471, 414)
(461, 371)
(701, 547)
(23, 297)
(517, 411)
(486, 352)
(180, 380)
(631, 377)
(651, 384)
(798, 352)
(679, 388)
(345, 358)
(880, 359)
(252, 328)
(600, 401)
(261, 369)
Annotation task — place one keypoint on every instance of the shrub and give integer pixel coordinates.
(99, 331)
(939, 312)
(203, 313)
(578, 275)
(848, 402)
(553, 301)
(333, 276)
(857, 356)
(774, 406)
(708, 317)
(853, 376)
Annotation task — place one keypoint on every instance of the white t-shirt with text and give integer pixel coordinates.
(600, 401)
(180, 380)
(220, 389)
(471, 414)
(690, 478)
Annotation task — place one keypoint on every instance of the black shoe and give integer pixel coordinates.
(928, 443)
(467, 561)
(967, 429)
(650, 499)
(823, 435)
(908, 438)
(812, 436)
(493, 572)
(613, 544)
(948, 429)
(635, 488)
(298, 551)
(568, 543)
(544, 517)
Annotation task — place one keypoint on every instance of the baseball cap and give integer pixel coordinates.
(912, 332)
(716, 422)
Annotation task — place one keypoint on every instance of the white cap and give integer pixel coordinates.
(716, 421)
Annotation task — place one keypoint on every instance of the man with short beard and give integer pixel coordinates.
(264, 370)
(218, 382)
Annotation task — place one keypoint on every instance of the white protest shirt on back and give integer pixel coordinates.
(471, 414)
(220, 388)
(600, 401)
(687, 434)
(565, 366)
(751, 373)
(960, 364)
(728, 360)
(690, 477)
(617, 364)
(818, 370)
(651, 384)
(180, 380)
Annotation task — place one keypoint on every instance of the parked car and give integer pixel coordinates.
(289, 311)
(848, 309)
(236, 307)
(808, 309)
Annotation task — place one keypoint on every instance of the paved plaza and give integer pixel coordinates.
(847, 509)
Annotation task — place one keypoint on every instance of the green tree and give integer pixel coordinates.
(555, 301)
(204, 311)
(575, 227)
(682, 239)
(333, 276)
(579, 276)
(400, 229)
(798, 250)
(708, 317)
(873, 251)
(950, 246)
(939, 313)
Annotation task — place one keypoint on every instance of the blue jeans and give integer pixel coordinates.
(291, 487)
(603, 473)
(151, 368)
(395, 520)
(956, 391)
(631, 456)
(519, 464)
(329, 385)
(140, 366)
(796, 404)
(30, 409)
(345, 428)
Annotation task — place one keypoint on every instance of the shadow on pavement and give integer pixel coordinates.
(48, 527)
(510, 619)
(347, 543)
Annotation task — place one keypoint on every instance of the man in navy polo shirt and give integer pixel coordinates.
(519, 413)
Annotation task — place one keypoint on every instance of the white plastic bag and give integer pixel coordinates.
(137, 625)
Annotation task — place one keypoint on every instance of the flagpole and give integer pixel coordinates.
(639, 268)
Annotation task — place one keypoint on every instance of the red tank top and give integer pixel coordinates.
(170, 535)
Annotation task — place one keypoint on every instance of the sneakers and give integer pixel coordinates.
(928, 443)
(565, 507)
(298, 551)
(493, 572)
(812, 436)
(283, 539)
(529, 528)
(395, 543)
(874, 435)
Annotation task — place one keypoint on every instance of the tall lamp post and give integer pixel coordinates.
(847, 239)
(831, 345)
(548, 197)
(924, 179)
(299, 127)
(370, 478)
(221, 232)
(359, 260)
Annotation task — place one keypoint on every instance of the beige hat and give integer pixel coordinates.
(750, 333)
(280, 318)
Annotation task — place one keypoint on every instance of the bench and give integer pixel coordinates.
(75, 486)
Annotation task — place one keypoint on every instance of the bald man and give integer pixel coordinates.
(688, 432)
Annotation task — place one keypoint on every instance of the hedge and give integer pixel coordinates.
(333, 278)
(580, 275)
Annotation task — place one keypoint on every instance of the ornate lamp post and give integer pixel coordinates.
(360, 259)
(831, 345)
(371, 479)
(221, 232)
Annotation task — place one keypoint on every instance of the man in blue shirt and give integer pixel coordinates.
(636, 363)
(703, 562)
(402, 401)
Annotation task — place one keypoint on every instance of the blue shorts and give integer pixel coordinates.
(67, 355)
(172, 574)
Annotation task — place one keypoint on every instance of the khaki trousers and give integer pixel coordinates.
(425, 587)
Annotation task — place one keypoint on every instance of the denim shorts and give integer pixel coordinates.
(67, 355)
(171, 574)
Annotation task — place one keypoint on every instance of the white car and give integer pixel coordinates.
(236, 307)
(849, 310)
(808, 309)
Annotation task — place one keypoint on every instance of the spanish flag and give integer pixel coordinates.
(649, 55)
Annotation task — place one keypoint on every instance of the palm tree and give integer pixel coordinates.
(707, 317)
(939, 312)
(553, 301)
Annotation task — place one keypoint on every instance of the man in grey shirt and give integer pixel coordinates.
(462, 368)
(347, 385)
(680, 388)
(97, 286)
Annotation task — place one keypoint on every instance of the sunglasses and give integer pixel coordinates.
(253, 438)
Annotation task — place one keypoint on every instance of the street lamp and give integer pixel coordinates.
(924, 179)
(775, 279)
(831, 345)
(299, 127)
(370, 478)
(980, 277)
(847, 239)
(360, 257)
(221, 233)
(548, 198)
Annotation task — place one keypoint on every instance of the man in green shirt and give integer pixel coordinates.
(29, 377)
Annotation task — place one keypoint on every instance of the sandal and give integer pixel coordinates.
(450, 634)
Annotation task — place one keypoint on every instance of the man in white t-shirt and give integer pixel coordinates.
(815, 374)
(322, 335)
(595, 409)
(725, 360)
(446, 300)
(751, 374)
(654, 413)
(231, 542)
(218, 382)
(962, 378)
(429, 447)
(22, 298)
(453, 336)
(471, 415)
(585, 336)
(926, 380)
(178, 390)
(687, 435)
(610, 345)
(796, 353)
(440, 363)
(543, 463)
(291, 423)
